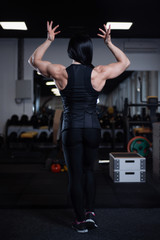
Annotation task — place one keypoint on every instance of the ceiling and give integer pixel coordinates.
(80, 15)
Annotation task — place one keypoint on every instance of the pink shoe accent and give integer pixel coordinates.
(91, 213)
(77, 222)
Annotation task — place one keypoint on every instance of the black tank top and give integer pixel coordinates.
(79, 99)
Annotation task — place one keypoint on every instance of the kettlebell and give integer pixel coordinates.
(55, 167)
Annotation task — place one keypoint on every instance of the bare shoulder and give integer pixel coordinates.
(56, 67)
(59, 74)
(98, 77)
(100, 72)
(57, 71)
(99, 68)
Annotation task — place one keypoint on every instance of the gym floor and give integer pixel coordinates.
(34, 202)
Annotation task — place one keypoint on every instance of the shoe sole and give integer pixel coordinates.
(91, 224)
(80, 231)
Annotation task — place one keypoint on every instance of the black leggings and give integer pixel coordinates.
(80, 148)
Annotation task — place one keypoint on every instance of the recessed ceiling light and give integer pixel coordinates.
(13, 25)
(55, 91)
(119, 25)
(51, 83)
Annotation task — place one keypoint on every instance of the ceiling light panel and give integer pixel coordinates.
(55, 91)
(119, 25)
(51, 83)
(13, 25)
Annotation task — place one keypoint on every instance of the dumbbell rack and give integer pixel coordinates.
(152, 103)
(131, 124)
(113, 132)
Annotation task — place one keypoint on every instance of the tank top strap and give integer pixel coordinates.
(70, 73)
(87, 81)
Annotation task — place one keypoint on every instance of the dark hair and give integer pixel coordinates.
(80, 48)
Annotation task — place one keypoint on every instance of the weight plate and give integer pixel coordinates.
(140, 145)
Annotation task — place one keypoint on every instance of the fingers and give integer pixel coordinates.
(105, 27)
(104, 32)
(54, 29)
(57, 32)
(49, 25)
(109, 29)
(102, 36)
(100, 29)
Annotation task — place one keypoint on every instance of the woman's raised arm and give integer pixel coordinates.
(114, 69)
(36, 58)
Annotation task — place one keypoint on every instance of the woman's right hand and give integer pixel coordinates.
(51, 32)
(106, 34)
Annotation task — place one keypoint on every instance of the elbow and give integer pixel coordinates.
(30, 61)
(128, 63)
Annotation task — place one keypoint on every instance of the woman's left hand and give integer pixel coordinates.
(51, 32)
